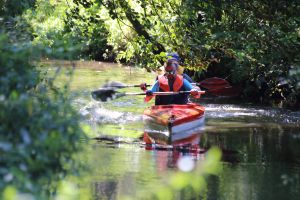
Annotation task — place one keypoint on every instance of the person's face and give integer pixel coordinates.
(171, 74)
(170, 71)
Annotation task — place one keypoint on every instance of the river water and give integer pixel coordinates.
(260, 145)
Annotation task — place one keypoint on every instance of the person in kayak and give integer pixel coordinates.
(180, 69)
(171, 81)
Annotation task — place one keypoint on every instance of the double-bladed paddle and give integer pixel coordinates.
(209, 83)
(106, 94)
(215, 86)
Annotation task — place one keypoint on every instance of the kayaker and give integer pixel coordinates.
(179, 69)
(171, 81)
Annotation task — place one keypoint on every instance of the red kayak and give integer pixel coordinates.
(169, 124)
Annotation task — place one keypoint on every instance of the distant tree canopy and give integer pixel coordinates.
(254, 44)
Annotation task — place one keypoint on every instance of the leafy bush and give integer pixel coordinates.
(39, 131)
(66, 24)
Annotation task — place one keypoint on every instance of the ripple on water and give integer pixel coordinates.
(265, 115)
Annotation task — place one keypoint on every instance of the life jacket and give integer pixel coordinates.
(163, 83)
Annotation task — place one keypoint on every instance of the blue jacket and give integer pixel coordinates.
(187, 77)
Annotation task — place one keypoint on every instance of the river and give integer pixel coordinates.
(260, 145)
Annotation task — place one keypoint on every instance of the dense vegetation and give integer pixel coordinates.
(252, 44)
(39, 129)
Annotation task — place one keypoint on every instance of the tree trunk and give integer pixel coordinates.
(139, 28)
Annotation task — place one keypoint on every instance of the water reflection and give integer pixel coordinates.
(107, 189)
(167, 155)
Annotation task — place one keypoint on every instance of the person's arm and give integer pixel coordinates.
(187, 77)
(149, 93)
(155, 87)
(188, 87)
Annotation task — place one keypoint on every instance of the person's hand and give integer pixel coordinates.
(195, 93)
(143, 86)
(149, 93)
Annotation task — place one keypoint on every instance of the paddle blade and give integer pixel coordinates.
(106, 94)
(119, 85)
(114, 84)
(214, 83)
(226, 91)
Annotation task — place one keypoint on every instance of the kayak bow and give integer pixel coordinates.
(167, 123)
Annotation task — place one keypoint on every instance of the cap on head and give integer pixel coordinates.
(174, 56)
(171, 66)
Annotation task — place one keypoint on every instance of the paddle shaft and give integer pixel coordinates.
(214, 85)
(164, 93)
(209, 83)
(127, 86)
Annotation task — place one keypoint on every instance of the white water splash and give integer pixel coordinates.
(94, 112)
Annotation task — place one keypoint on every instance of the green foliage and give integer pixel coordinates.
(46, 29)
(253, 44)
(83, 24)
(39, 131)
(70, 27)
(14, 7)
